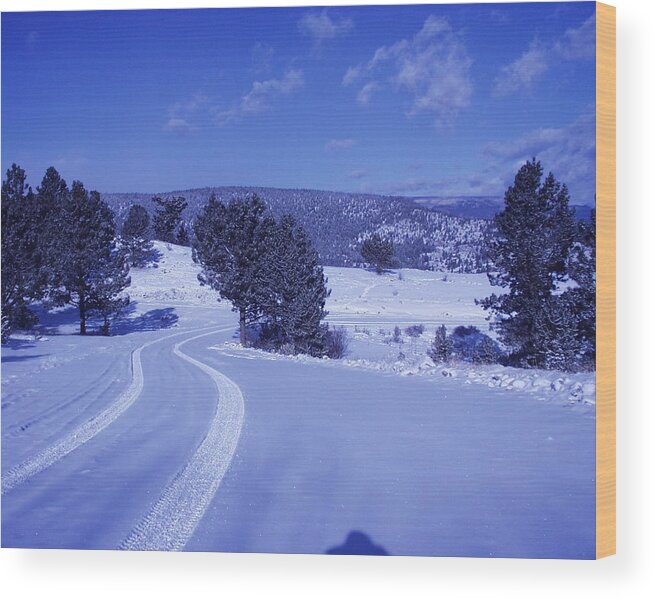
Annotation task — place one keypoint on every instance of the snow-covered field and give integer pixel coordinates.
(169, 435)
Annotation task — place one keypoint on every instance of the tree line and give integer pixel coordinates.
(59, 247)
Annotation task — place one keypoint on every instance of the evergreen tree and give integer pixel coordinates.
(582, 299)
(106, 285)
(168, 217)
(52, 194)
(442, 346)
(23, 273)
(92, 270)
(292, 288)
(135, 237)
(137, 223)
(182, 236)
(534, 234)
(229, 242)
(378, 252)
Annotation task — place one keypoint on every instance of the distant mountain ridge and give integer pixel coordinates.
(338, 222)
(477, 206)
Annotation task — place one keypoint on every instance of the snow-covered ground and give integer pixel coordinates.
(169, 435)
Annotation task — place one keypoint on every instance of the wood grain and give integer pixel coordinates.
(606, 280)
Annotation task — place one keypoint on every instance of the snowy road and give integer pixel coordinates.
(174, 518)
(86, 431)
(92, 488)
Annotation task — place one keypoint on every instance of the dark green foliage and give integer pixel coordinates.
(168, 217)
(268, 270)
(229, 243)
(137, 223)
(92, 270)
(59, 247)
(182, 237)
(471, 345)
(442, 346)
(582, 299)
(397, 335)
(378, 252)
(535, 233)
(292, 288)
(106, 283)
(135, 237)
(24, 272)
(416, 330)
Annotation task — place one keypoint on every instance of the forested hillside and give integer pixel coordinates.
(337, 223)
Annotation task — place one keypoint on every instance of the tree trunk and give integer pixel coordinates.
(82, 314)
(242, 326)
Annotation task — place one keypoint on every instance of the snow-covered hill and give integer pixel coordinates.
(338, 222)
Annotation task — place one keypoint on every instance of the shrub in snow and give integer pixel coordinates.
(416, 330)
(336, 343)
(471, 345)
(442, 346)
(397, 335)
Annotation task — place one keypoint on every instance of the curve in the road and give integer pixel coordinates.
(88, 429)
(174, 517)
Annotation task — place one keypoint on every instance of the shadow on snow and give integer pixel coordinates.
(357, 543)
(153, 320)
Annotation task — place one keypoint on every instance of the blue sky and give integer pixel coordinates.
(410, 100)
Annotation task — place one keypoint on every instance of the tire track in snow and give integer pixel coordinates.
(173, 519)
(89, 429)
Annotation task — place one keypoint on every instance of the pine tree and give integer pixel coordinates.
(378, 252)
(292, 288)
(107, 282)
(23, 273)
(52, 194)
(229, 242)
(182, 236)
(135, 237)
(168, 217)
(92, 270)
(529, 253)
(582, 299)
(442, 346)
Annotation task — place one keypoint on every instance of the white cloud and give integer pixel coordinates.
(432, 68)
(352, 74)
(340, 144)
(580, 43)
(259, 97)
(568, 151)
(364, 95)
(184, 116)
(521, 75)
(261, 56)
(179, 126)
(321, 27)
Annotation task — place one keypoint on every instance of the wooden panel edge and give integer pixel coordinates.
(606, 280)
